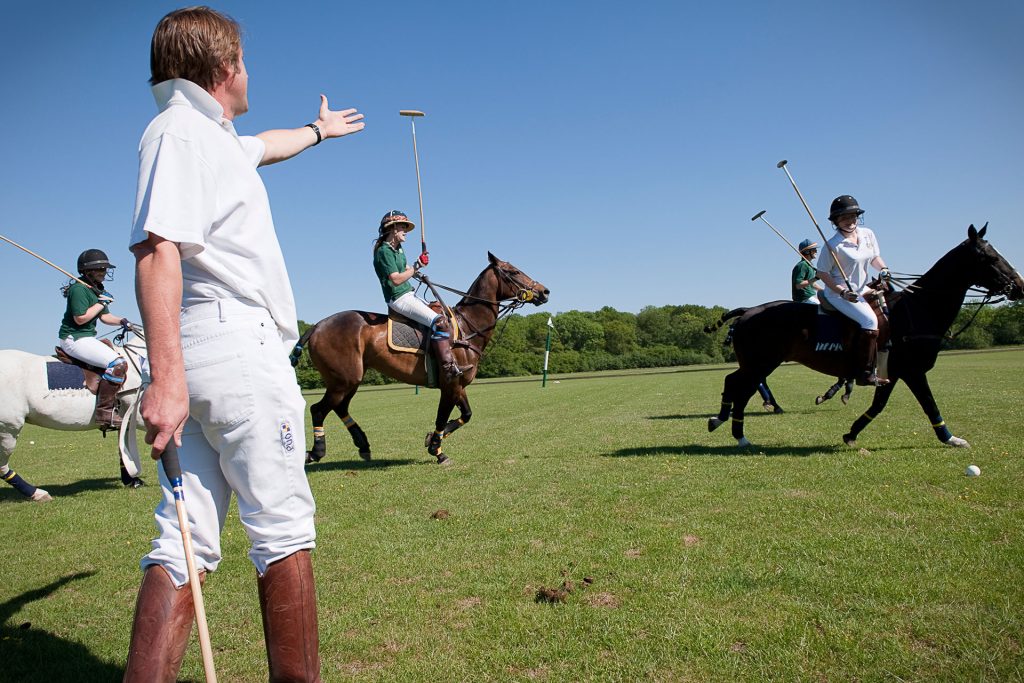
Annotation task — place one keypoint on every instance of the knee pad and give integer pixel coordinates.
(110, 375)
(439, 328)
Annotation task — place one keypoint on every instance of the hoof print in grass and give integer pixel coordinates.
(440, 514)
(26, 626)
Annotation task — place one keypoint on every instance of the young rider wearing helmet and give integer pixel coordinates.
(77, 333)
(394, 274)
(856, 247)
(804, 274)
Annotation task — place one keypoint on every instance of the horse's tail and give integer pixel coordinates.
(734, 313)
(296, 353)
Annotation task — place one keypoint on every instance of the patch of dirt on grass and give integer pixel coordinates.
(690, 540)
(633, 552)
(739, 646)
(358, 667)
(469, 603)
(796, 493)
(392, 646)
(604, 600)
(537, 673)
(441, 514)
(536, 544)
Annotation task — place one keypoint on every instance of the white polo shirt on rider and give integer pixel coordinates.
(854, 257)
(198, 186)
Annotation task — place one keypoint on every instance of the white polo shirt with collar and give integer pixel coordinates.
(199, 187)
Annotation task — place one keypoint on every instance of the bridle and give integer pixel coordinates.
(523, 294)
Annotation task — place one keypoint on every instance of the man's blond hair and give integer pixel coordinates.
(195, 43)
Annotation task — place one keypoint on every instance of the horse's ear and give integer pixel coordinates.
(984, 228)
(492, 258)
(972, 234)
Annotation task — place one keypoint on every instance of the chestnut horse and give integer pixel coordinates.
(769, 334)
(345, 344)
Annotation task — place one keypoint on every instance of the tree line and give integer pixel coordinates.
(657, 336)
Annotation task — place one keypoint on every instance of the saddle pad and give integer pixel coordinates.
(828, 334)
(64, 376)
(405, 338)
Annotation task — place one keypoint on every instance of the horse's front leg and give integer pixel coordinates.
(8, 440)
(923, 393)
(450, 397)
(882, 394)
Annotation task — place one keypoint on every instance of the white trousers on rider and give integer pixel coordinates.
(89, 350)
(858, 311)
(245, 435)
(411, 306)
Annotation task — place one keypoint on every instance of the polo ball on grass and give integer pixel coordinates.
(973, 471)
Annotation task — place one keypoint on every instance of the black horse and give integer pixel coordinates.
(767, 335)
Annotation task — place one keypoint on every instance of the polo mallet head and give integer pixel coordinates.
(781, 164)
(758, 215)
(413, 114)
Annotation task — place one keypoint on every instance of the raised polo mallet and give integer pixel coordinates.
(412, 114)
(172, 468)
(782, 165)
(760, 214)
(52, 265)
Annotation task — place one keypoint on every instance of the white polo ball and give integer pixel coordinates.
(973, 471)
(31, 443)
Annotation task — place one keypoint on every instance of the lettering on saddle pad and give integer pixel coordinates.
(828, 334)
(64, 376)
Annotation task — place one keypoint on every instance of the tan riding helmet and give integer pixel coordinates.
(391, 218)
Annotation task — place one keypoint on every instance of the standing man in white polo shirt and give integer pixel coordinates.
(220, 320)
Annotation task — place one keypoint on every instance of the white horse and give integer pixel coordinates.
(26, 398)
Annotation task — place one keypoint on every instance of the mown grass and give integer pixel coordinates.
(797, 559)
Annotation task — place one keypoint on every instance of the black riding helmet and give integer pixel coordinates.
(393, 217)
(843, 204)
(93, 259)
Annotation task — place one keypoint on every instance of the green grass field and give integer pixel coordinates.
(692, 560)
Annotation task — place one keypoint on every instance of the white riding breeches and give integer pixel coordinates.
(858, 311)
(245, 435)
(411, 306)
(89, 350)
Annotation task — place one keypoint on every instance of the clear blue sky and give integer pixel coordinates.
(613, 151)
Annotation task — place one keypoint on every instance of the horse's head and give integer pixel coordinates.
(990, 269)
(515, 284)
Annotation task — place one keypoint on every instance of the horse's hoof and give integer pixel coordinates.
(714, 423)
(743, 442)
(957, 442)
(134, 483)
(311, 458)
(443, 459)
(845, 398)
(850, 440)
(819, 400)
(41, 496)
(778, 410)
(365, 455)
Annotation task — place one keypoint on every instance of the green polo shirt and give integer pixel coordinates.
(803, 271)
(80, 298)
(387, 260)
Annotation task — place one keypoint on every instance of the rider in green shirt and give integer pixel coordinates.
(77, 333)
(394, 274)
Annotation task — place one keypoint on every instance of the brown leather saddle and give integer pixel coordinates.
(91, 372)
(876, 306)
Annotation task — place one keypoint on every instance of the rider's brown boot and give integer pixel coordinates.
(106, 416)
(288, 604)
(443, 353)
(867, 351)
(163, 622)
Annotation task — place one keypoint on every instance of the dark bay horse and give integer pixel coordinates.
(769, 334)
(345, 344)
